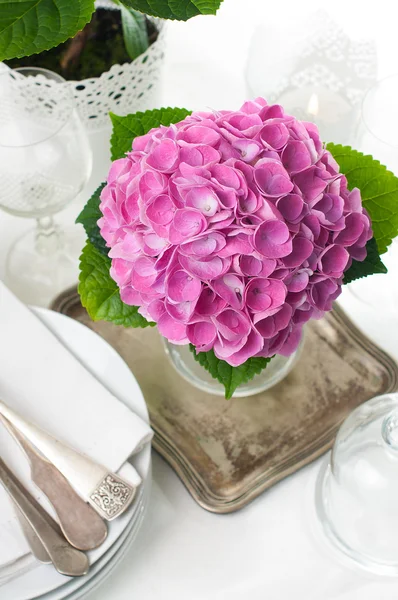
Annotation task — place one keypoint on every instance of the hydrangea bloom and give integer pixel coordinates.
(231, 230)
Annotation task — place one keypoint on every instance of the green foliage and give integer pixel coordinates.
(100, 295)
(371, 265)
(379, 191)
(89, 218)
(230, 377)
(98, 291)
(31, 26)
(125, 129)
(180, 10)
(102, 46)
(134, 31)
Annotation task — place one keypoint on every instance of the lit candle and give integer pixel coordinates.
(331, 111)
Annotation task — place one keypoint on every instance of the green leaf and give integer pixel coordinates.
(180, 10)
(31, 26)
(379, 191)
(371, 265)
(230, 377)
(89, 218)
(99, 294)
(125, 129)
(135, 32)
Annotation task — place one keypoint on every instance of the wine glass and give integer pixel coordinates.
(45, 161)
(357, 489)
(378, 135)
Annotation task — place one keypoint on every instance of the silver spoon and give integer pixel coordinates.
(37, 548)
(80, 523)
(66, 559)
(108, 493)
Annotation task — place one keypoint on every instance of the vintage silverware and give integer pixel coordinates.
(108, 494)
(80, 523)
(66, 559)
(37, 548)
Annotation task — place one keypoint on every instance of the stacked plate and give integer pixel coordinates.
(27, 579)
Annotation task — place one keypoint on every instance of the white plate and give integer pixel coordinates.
(81, 586)
(106, 364)
(109, 567)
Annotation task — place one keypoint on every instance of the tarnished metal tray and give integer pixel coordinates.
(229, 451)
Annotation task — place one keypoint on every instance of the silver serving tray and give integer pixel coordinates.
(229, 451)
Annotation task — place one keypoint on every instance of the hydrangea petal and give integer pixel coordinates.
(164, 156)
(252, 347)
(302, 249)
(296, 157)
(161, 210)
(233, 325)
(182, 311)
(172, 330)
(202, 335)
(333, 260)
(290, 206)
(186, 223)
(274, 134)
(182, 287)
(262, 294)
(231, 289)
(198, 134)
(209, 303)
(204, 199)
(272, 239)
(272, 179)
(206, 268)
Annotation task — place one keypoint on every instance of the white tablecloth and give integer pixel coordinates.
(270, 549)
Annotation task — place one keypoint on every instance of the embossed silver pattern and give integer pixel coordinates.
(112, 496)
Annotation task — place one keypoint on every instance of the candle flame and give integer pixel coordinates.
(313, 105)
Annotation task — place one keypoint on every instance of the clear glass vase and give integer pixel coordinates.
(183, 361)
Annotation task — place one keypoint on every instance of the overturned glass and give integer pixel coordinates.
(357, 489)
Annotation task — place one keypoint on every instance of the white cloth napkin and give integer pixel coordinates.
(45, 383)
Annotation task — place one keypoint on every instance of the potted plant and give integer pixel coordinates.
(229, 231)
(115, 54)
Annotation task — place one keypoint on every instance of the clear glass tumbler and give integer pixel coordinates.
(45, 161)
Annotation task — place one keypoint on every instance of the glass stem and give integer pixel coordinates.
(48, 238)
(390, 430)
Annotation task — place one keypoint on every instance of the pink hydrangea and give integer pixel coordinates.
(231, 230)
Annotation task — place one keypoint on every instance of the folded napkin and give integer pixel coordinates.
(47, 385)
